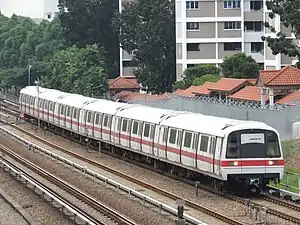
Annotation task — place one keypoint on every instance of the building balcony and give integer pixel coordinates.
(257, 56)
(253, 36)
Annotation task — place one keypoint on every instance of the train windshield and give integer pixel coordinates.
(253, 144)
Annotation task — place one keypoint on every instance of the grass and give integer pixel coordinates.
(291, 150)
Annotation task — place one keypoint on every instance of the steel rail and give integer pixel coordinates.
(114, 215)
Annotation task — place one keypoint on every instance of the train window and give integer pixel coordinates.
(172, 136)
(105, 121)
(89, 117)
(68, 111)
(187, 139)
(97, 118)
(232, 146)
(179, 138)
(124, 125)
(146, 130)
(152, 131)
(204, 143)
(165, 134)
(74, 113)
(135, 127)
(62, 110)
(196, 141)
(272, 144)
(212, 145)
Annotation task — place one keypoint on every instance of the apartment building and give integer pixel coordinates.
(50, 9)
(209, 30)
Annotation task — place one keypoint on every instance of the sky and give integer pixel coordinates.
(30, 8)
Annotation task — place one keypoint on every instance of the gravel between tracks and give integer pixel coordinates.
(220, 204)
(9, 216)
(143, 215)
(41, 211)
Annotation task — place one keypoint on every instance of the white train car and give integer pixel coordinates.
(229, 151)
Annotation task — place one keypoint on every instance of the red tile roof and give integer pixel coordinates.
(287, 76)
(187, 92)
(133, 96)
(248, 93)
(290, 99)
(123, 83)
(251, 80)
(203, 89)
(228, 84)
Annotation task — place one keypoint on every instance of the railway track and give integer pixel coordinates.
(257, 203)
(89, 219)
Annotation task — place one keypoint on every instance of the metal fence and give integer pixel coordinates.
(278, 116)
(290, 182)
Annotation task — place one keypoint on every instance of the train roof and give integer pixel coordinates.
(75, 100)
(53, 95)
(200, 123)
(145, 113)
(104, 106)
(212, 125)
(32, 90)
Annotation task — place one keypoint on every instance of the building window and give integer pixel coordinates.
(191, 65)
(232, 25)
(257, 46)
(129, 63)
(256, 5)
(233, 4)
(253, 26)
(192, 47)
(193, 26)
(192, 4)
(235, 46)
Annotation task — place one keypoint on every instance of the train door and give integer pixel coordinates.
(217, 156)
(211, 154)
(117, 130)
(162, 142)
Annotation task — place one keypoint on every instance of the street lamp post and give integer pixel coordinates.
(29, 78)
(38, 101)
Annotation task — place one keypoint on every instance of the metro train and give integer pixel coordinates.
(228, 152)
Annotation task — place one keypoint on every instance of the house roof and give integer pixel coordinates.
(251, 80)
(204, 89)
(187, 92)
(123, 83)
(133, 96)
(228, 84)
(290, 99)
(248, 93)
(287, 76)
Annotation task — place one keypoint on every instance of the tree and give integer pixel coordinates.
(147, 30)
(192, 73)
(24, 42)
(78, 70)
(206, 78)
(240, 66)
(289, 12)
(87, 22)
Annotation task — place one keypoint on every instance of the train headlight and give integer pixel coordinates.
(235, 163)
(271, 163)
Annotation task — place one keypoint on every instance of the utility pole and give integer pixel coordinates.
(29, 76)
